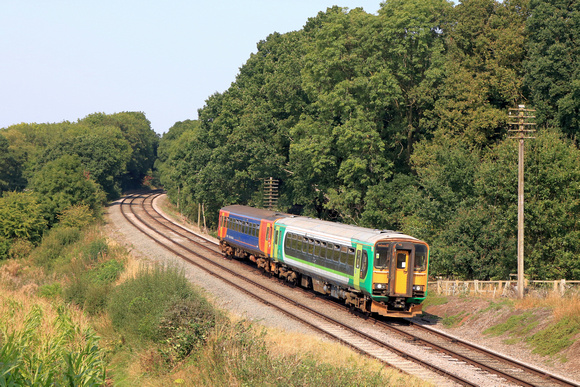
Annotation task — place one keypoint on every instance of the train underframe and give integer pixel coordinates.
(356, 300)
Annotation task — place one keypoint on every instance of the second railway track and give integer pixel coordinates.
(440, 360)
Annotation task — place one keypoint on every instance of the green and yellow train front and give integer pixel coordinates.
(398, 282)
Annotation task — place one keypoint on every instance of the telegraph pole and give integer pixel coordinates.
(271, 192)
(522, 117)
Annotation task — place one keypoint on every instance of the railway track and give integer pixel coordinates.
(495, 369)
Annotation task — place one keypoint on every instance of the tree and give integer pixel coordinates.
(143, 142)
(63, 183)
(103, 153)
(11, 178)
(483, 70)
(553, 66)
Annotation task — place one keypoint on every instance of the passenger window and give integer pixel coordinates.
(336, 253)
(343, 254)
(317, 248)
(350, 259)
(323, 249)
(310, 246)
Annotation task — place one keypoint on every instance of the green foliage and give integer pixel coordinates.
(136, 130)
(11, 167)
(71, 167)
(77, 216)
(54, 244)
(518, 325)
(140, 306)
(552, 67)
(399, 121)
(102, 155)
(63, 183)
(184, 326)
(21, 216)
(50, 290)
(91, 276)
(556, 337)
(454, 320)
(106, 272)
(94, 250)
(433, 300)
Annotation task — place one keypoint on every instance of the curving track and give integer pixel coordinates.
(140, 211)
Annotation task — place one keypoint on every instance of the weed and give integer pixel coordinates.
(432, 300)
(53, 245)
(556, 337)
(106, 272)
(454, 320)
(495, 306)
(42, 345)
(95, 249)
(52, 290)
(519, 325)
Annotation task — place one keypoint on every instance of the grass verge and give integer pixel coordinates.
(154, 328)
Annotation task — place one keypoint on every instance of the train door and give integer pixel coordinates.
(269, 230)
(357, 265)
(277, 252)
(402, 273)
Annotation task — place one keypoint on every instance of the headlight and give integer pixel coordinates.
(380, 286)
(418, 288)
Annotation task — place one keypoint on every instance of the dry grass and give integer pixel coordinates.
(333, 353)
(16, 305)
(562, 307)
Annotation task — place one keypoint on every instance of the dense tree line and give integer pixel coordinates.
(47, 170)
(399, 120)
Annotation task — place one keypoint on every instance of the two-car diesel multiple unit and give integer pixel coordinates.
(375, 271)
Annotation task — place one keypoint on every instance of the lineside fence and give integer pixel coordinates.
(541, 289)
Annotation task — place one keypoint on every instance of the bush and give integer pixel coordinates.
(185, 325)
(50, 290)
(20, 248)
(77, 216)
(95, 249)
(4, 247)
(54, 243)
(155, 304)
(106, 272)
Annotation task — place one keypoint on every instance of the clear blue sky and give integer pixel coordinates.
(61, 60)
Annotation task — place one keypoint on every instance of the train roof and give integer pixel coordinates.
(340, 231)
(255, 213)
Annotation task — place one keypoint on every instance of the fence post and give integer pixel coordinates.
(476, 287)
(439, 287)
(562, 287)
